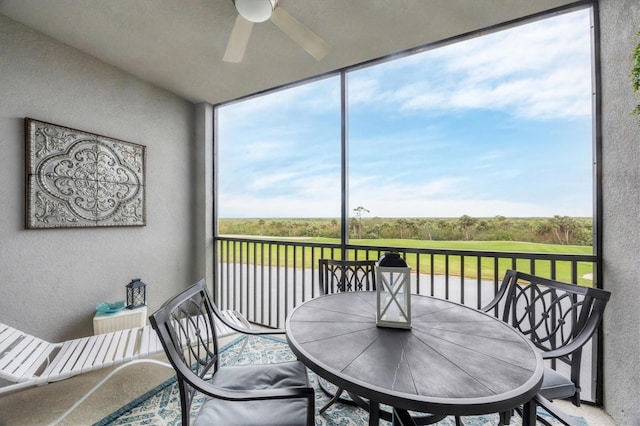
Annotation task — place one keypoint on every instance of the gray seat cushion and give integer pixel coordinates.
(263, 412)
(556, 386)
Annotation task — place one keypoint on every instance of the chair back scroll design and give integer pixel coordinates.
(346, 275)
(186, 329)
(558, 318)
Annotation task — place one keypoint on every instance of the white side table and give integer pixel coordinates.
(122, 320)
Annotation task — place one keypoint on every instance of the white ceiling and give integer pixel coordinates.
(179, 44)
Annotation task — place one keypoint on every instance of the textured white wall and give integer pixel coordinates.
(51, 280)
(620, 21)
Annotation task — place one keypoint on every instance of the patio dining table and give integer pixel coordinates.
(455, 360)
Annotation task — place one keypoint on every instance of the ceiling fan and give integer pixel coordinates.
(256, 11)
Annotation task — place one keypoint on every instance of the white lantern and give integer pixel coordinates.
(393, 288)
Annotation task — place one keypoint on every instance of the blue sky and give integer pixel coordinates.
(496, 125)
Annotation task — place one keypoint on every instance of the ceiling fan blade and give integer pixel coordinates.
(238, 40)
(300, 33)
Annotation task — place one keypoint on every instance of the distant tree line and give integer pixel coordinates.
(549, 230)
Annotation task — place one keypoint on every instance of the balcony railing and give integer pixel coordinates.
(266, 279)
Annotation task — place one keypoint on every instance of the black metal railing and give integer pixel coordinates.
(266, 279)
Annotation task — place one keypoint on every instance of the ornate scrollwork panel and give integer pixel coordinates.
(78, 179)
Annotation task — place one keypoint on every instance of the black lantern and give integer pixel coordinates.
(393, 292)
(136, 294)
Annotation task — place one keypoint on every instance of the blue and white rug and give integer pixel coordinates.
(161, 405)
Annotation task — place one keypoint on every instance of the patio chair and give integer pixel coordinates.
(346, 275)
(338, 276)
(271, 394)
(559, 319)
(355, 275)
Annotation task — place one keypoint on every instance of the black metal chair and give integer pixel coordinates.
(559, 319)
(357, 275)
(346, 275)
(273, 394)
(338, 276)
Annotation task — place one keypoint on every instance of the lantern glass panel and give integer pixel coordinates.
(393, 298)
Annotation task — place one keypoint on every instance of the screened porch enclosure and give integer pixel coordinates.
(488, 124)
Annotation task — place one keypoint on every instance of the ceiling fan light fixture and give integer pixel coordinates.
(255, 10)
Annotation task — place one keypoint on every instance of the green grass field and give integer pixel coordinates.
(455, 266)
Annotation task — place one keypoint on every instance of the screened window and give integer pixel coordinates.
(498, 125)
(494, 126)
(279, 160)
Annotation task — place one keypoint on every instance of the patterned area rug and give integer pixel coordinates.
(161, 406)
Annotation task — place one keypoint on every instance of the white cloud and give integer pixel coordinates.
(490, 156)
(267, 182)
(238, 206)
(363, 91)
(539, 71)
(375, 186)
(263, 150)
(317, 98)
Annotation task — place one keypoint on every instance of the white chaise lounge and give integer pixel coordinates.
(26, 360)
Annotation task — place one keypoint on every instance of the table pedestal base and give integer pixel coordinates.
(376, 413)
(334, 392)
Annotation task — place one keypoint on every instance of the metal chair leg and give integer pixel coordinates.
(557, 413)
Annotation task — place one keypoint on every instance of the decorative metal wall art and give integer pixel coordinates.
(77, 179)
